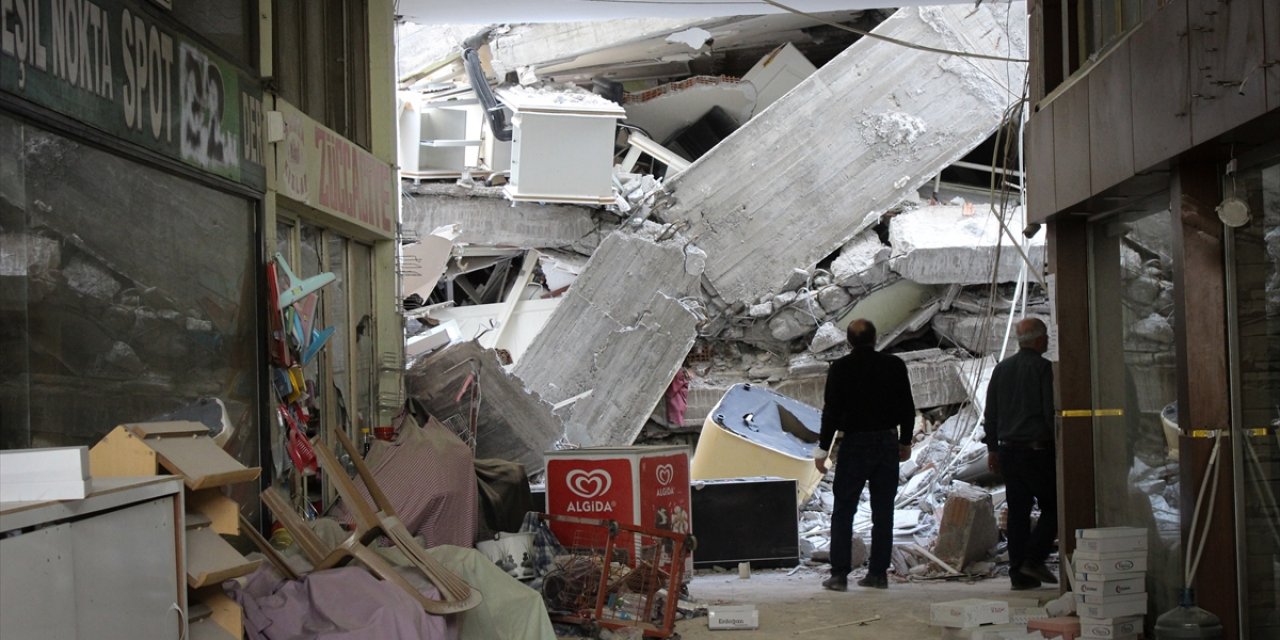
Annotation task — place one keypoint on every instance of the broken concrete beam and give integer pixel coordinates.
(967, 531)
(621, 331)
(943, 245)
(513, 423)
(872, 125)
(484, 217)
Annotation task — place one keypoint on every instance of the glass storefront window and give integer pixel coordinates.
(1255, 257)
(1135, 386)
(125, 293)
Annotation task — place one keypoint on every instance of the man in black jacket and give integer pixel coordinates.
(1020, 446)
(868, 398)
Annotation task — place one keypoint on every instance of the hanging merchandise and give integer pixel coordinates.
(300, 287)
(297, 385)
(279, 343)
(298, 445)
(304, 320)
(318, 339)
(295, 341)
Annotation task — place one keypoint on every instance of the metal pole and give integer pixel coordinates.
(1237, 432)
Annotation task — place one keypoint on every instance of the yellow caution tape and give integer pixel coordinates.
(1090, 413)
(1206, 433)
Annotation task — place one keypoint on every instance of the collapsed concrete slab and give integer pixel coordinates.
(512, 424)
(946, 245)
(483, 216)
(852, 140)
(620, 333)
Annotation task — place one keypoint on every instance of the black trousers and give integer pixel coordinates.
(1030, 477)
(864, 458)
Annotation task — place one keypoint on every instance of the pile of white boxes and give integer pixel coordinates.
(1111, 581)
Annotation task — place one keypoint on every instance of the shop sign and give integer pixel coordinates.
(322, 169)
(118, 68)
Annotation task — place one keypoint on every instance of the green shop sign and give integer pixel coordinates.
(117, 68)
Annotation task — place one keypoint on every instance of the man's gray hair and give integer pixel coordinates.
(1029, 332)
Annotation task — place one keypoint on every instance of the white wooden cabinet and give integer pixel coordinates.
(106, 567)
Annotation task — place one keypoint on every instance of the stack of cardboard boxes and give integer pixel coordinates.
(1111, 581)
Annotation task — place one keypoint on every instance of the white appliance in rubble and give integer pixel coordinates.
(561, 146)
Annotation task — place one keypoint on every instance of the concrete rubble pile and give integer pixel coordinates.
(749, 264)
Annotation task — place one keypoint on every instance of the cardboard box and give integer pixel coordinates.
(1111, 562)
(1022, 615)
(1126, 586)
(1108, 576)
(1099, 533)
(1112, 545)
(1114, 607)
(59, 473)
(743, 616)
(1098, 598)
(984, 632)
(970, 612)
(1110, 627)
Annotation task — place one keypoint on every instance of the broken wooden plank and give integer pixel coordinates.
(200, 462)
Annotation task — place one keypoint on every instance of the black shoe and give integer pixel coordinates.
(1021, 582)
(836, 583)
(874, 582)
(1038, 571)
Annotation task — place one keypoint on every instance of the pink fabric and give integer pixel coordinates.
(346, 603)
(428, 474)
(678, 398)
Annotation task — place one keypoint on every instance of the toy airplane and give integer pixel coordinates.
(299, 287)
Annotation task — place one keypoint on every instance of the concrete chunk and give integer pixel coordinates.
(872, 125)
(620, 332)
(827, 336)
(943, 245)
(968, 527)
(863, 263)
(935, 378)
(513, 424)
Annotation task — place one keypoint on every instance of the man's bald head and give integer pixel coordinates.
(1032, 334)
(861, 333)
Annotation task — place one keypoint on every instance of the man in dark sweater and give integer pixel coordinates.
(868, 398)
(1020, 446)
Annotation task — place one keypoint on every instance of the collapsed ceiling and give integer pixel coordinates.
(449, 12)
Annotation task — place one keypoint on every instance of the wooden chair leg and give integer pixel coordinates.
(267, 550)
